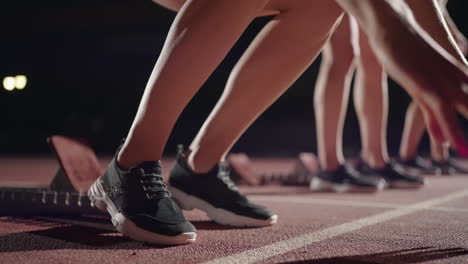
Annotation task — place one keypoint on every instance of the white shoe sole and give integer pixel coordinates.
(219, 215)
(100, 200)
(319, 185)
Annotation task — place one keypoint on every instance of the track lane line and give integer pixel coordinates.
(449, 209)
(301, 200)
(353, 203)
(285, 246)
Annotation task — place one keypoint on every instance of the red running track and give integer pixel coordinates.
(395, 226)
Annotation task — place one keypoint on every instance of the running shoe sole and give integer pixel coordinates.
(414, 170)
(319, 185)
(100, 200)
(219, 215)
(405, 185)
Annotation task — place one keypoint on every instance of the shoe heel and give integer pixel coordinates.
(182, 199)
(96, 197)
(318, 185)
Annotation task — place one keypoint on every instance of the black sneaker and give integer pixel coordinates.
(344, 179)
(443, 167)
(394, 176)
(457, 167)
(416, 165)
(216, 194)
(140, 205)
(426, 163)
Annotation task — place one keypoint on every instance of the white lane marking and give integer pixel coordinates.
(282, 247)
(303, 200)
(449, 209)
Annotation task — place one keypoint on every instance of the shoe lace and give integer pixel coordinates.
(224, 176)
(152, 183)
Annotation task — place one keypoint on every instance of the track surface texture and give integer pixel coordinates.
(429, 225)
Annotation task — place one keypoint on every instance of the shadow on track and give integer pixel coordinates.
(65, 236)
(89, 233)
(406, 256)
(211, 225)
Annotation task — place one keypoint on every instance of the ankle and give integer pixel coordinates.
(407, 155)
(329, 165)
(438, 159)
(406, 158)
(374, 162)
(198, 166)
(126, 158)
(123, 162)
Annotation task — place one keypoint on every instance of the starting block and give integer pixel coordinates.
(80, 167)
(243, 171)
(66, 194)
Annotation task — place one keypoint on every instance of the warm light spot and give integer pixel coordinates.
(9, 83)
(21, 82)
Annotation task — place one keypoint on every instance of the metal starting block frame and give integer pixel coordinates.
(243, 171)
(66, 194)
(80, 167)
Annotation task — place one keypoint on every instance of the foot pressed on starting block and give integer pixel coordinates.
(305, 168)
(244, 173)
(307, 163)
(66, 194)
(77, 161)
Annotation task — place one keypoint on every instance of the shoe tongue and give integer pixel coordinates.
(151, 166)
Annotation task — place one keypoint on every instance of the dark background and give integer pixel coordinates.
(87, 64)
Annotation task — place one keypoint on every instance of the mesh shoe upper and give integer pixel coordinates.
(141, 195)
(347, 175)
(416, 163)
(390, 173)
(216, 188)
(457, 167)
